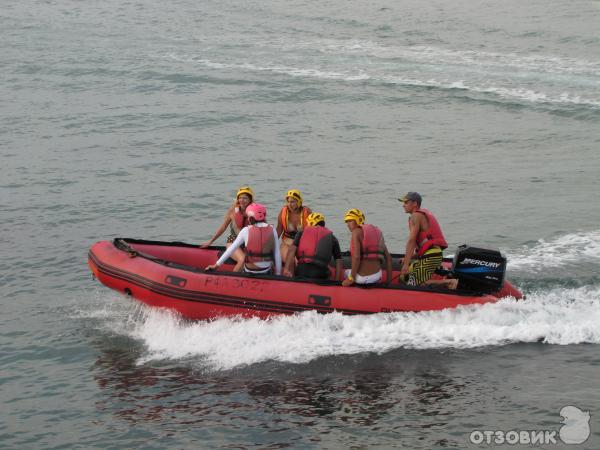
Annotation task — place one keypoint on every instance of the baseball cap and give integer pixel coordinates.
(411, 196)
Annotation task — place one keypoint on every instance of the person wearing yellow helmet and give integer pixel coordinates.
(291, 219)
(314, 247)
(368, 251)
(235, 218)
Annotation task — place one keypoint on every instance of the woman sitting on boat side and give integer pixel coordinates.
(367, 250)
(291, 219)
(262, 244)
(236, 219)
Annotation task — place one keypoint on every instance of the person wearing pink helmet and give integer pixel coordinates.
(261, 244)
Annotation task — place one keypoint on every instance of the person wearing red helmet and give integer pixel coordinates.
(261, 244)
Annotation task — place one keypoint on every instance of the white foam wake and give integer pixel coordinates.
(506, 62)
(509, 62)
(561, 316)
(538, 79)
(558, 252)
(486, 87)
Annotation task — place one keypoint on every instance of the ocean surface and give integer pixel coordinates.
(141, 119)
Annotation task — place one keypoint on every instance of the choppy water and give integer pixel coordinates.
(141, 119)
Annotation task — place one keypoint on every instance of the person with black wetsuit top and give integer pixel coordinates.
(314, 247)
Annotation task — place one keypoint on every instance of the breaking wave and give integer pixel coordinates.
(572, 248)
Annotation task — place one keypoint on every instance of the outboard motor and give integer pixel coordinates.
(479, 269)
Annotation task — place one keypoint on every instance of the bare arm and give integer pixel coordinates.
(339, 269)
(355, 258)
(411, 243)
(277, 254)
(357, 253)
(388, 264)
(221, 229)
(279, 224)
(239, 240)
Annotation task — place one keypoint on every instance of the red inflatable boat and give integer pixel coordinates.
(170, 275)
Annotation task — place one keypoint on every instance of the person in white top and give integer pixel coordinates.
(261, 242)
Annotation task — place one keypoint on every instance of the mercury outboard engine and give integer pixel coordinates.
(479, 269)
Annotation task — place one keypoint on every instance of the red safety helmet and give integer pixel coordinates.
(257, 211)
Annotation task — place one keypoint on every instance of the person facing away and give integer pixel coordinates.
(368, 251)
(291, 219)
(236, 219)
(424, 247)
(314, 248)
(261, 242)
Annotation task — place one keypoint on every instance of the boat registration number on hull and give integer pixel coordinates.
(235, 283)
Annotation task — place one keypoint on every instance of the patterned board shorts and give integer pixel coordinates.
(422, 269)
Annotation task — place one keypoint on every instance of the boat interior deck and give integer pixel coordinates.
(191, 257)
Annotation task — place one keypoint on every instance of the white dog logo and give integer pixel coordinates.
(576, 428)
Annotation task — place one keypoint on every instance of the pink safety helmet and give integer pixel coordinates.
(257, 211)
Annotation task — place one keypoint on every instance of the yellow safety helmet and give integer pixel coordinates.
(356, 215)
(245, 190)
(313, 219)
(294, 193)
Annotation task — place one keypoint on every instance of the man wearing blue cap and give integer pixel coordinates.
(425, 245)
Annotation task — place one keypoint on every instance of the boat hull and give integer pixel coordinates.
(170, 276)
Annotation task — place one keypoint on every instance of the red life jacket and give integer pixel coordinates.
(261, 244)
(372, 246)
(433, 237)
(315, 246)
(283, 215)
(238, 221)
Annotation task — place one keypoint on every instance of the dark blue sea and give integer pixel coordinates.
(142, 118)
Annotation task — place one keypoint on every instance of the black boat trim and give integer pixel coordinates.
(211, 298)
(123, 245)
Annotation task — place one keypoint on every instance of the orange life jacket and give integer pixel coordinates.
(283, 215)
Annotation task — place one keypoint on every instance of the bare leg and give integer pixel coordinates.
(293, 268)
(452, 283)
(449, 283)
(283, 248)
(239, 256)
